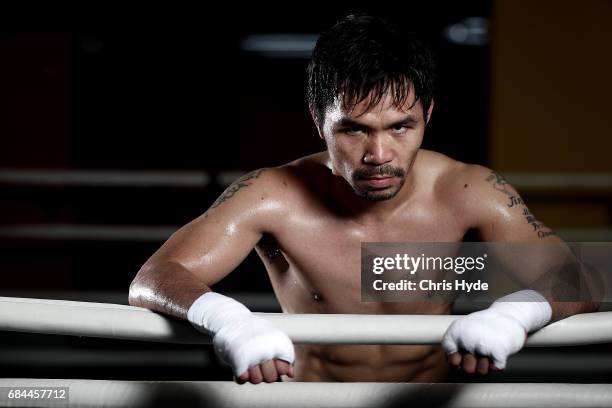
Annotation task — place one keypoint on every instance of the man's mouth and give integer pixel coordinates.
(378, 181)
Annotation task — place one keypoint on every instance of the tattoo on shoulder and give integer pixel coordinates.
(542, 230)
(236, 186)
(499, 183)
(514, 200)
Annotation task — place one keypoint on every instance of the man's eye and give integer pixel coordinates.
(400, 128)
(353, 131)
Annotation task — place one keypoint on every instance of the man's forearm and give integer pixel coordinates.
(583, 297)
(561, 310)
(167, 287)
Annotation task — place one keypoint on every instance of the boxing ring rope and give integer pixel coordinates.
(133, 323)
(95, 393)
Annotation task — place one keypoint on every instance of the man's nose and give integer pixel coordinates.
(377, 150)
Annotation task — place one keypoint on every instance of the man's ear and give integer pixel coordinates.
(429, 110)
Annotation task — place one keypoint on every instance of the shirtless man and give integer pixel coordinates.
(370, 95)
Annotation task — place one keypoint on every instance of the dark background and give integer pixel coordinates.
(123, 90)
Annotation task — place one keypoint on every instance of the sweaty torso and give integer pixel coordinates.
(313, 260)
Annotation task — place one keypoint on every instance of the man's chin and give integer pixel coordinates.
(377, 195)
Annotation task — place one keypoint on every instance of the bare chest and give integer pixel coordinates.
(315, 263)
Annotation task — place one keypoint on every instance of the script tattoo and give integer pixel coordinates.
(542, 230)
(515, 200)
(236, 186)
(500, 184)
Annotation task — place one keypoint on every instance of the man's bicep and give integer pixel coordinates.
(214, 244)
(551, 268)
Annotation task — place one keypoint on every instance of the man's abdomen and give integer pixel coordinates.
(370, 363)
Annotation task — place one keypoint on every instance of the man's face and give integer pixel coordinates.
(374, 150)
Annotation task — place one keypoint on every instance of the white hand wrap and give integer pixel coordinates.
(240, 338)
(500, 330)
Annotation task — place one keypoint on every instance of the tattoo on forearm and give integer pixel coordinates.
(237, 186)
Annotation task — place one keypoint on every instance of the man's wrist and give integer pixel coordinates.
(528, 307)
(211, 311)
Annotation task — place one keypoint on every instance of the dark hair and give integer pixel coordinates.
(363, 56)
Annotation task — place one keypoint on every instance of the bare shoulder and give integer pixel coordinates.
(454, 178)
(435, 161)
(278, 185)
(485, 201)
(443, 173)
(472, 191)
(486, 184)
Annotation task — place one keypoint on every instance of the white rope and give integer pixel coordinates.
(96, 393)
(133, 323)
